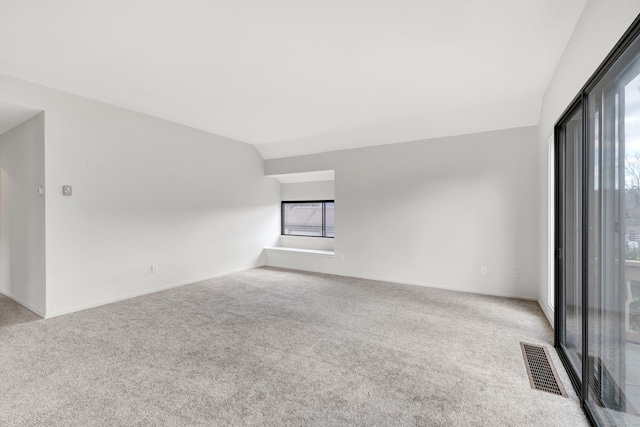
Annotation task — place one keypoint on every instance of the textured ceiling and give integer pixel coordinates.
(295, 77)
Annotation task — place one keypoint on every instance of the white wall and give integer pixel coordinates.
(313, 190)
(432, 212)
(145, 191)
(22, 215)
(601, 25)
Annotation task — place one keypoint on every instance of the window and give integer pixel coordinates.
(308, 218)
(597, 161)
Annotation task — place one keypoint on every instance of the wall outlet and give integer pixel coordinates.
(517, 273)
(342, 257)
(483, 269)
(154, 268)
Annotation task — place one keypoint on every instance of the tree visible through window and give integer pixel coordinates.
(308, 218)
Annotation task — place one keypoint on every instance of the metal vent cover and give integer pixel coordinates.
(542, 374)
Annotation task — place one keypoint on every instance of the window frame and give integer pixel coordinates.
(580, 380)
(324, 217)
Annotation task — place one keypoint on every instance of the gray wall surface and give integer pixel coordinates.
(22, 215)
(145, 191)
(433, 212)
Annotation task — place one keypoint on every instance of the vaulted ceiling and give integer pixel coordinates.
(296, 77)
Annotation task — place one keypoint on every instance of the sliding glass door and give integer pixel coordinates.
(570, 158)
(598, 237)
(614, 141)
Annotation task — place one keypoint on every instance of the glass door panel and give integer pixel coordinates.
(571, 265)
(597, 323)
(613, 268)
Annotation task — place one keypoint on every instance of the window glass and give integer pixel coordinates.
(308, 218)
(571, 189)
(613, 266)
(330, 219)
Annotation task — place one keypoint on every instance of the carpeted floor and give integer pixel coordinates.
(280, 348)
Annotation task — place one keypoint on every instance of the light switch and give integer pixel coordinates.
(40, 191)
(66, 190)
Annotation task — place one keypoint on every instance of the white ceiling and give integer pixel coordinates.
(296, 77)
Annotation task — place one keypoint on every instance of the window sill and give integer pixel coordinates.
(312, 252)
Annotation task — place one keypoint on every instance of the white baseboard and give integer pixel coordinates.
(147, 292)
(452, 288)
(25, 305)
(548, 312)
(192, 281)
(426, 285)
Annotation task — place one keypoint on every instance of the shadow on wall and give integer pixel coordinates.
(22, 221)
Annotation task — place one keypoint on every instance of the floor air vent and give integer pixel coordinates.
(542, 375)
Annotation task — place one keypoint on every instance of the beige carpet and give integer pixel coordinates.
(280, 348)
